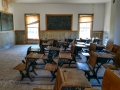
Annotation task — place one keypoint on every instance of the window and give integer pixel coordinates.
(32, 26)
(85, 26)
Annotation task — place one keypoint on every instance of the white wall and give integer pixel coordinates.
(75, 9)
(107, 22)
(0, 4)
(99, 14)
(112, 20)
(117, 24)
(107, 17)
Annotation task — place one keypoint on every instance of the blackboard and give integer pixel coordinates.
(6, 21)
(58, 22)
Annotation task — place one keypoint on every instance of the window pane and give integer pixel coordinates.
(33, 33)
(85, 30)
(33, 25)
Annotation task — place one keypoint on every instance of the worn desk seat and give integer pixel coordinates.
(67, 57)
(110, 66)
(25, 66)
(89, 67)
(21, 68)
(116, 64)
(73, 79)
(52, 67)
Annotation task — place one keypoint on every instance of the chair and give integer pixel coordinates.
(116, 64)
(51, 65)
(89, 66)
(110, 81)
(28, 51)
(67, 57)
(55, 43)
(92, 47)
(109, 46)
(115, 49)
(21, 67)
(66, 45)
(83, 40)
(97, 41)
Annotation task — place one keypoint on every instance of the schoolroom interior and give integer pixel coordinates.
(59, 45)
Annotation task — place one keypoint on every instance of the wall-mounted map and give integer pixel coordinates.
(6, 21)
(59, 22)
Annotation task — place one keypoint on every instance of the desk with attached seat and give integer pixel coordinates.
(70, 79)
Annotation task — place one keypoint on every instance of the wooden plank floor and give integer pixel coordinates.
(10, 79)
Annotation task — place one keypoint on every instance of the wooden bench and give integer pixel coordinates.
(21, 67)
(110, 81)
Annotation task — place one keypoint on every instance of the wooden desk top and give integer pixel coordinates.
(104, 55)
(54, 48)
(65, 55)
(98, 45)
(35, 49)
(62, 42)
(116, 72)
(85, 54)
(81, 43)
(71, 78)
(34, 56)
(46, 44)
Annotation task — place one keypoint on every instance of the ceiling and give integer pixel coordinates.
(62, 1)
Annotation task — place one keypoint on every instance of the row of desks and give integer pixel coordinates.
(74, 78)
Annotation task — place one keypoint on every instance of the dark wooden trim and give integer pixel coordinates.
(6, 12)
(98, 31)
(19, 30)
(7, 31)
(57, 31)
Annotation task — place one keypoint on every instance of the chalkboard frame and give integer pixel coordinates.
(6, 21)
(59, 15)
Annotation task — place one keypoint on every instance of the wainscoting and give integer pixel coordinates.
(7, 39)
(20, 35)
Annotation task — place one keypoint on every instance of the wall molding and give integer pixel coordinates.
(48, 31)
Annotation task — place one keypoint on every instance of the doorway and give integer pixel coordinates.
(32, 25)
